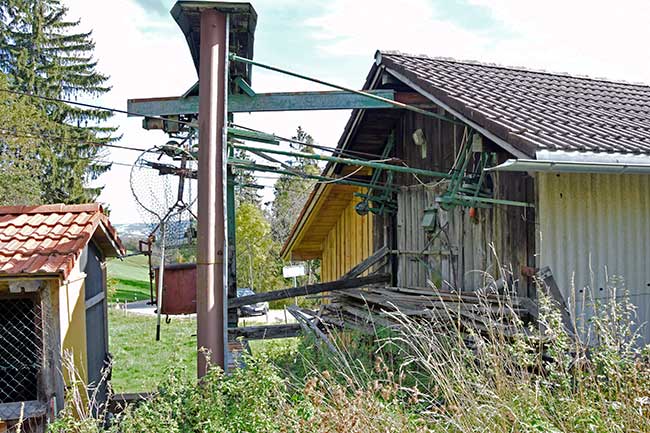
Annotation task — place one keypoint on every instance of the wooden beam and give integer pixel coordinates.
(95, 300)
(367, 263)
(289, 101)
(309, 290)
(545, 276)
(267, 332)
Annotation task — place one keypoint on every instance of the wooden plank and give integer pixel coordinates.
(347, 238)
(546, 277)
(309, 290)
(366, 264)
(401, 233)
(95, 300)
(25, 409)
(267, 332)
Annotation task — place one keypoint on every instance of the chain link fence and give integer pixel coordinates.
(21, 353)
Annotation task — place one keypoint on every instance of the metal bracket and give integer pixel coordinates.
(384, 202)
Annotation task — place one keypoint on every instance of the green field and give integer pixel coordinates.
(139, 361)
(128, 279)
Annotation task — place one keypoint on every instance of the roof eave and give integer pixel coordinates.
(319, 188)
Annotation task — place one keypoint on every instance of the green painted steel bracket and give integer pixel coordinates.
(347, 161)
(383, 203)
(246, 88)
(481, 201)
(367, 94)
(245, 134)
(286, 101)
(246, 165)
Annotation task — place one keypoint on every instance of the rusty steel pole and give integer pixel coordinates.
(211, 218)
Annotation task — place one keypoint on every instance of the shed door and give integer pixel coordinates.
(96, 325)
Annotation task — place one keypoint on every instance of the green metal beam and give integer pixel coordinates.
(245, 165)
(465, 200)
(287, 101)
(347, 161)
(246, 134)
(235, 58)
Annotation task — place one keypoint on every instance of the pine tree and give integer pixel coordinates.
(42, 54)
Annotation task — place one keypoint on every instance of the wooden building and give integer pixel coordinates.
(52, 303)
(534, 169)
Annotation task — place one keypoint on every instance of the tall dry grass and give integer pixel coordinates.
(439, 375)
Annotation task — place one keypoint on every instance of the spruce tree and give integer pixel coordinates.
(290, 191)
(42, 53)
(19, 166)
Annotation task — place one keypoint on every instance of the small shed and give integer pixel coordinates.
(538, 170)
(52, 302)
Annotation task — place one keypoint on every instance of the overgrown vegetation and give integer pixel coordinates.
(421, 378)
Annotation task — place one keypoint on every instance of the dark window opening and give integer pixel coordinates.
(20, 350)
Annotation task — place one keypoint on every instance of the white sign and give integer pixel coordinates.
(293, 271)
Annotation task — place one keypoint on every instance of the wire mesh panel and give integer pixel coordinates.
(21, 348)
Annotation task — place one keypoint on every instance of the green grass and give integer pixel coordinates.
(139, 361)
(129, 279)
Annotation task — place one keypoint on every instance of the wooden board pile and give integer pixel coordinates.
(376, 307)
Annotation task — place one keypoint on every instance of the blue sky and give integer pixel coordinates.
(139, 45)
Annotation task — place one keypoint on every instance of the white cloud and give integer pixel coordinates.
(360, 27)
(598, 38)
(595, 38)
(146, 55)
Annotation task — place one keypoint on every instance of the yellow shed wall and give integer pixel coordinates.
(72, 316)
(348, 243)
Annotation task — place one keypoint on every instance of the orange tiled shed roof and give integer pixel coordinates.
(48, 239)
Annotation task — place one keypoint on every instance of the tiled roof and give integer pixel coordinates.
(535, 110)
(48, 239)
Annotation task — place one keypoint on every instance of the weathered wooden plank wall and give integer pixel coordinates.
(442, 142)
(440, 259)
(467, 253)
(469, 247)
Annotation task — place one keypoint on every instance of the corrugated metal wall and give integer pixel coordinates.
(457, 257)
(349, 242)
(595, 226)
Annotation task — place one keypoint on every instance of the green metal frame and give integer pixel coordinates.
(384, 202)
(347, 161)
(246, 134)
(261, 102)
(457, 195)
(235, 58)
(246, 88)
(246, 165)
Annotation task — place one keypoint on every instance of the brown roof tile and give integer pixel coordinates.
(535, 110)
(48, 239)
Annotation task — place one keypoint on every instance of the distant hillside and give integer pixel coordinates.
(179, 233)
(133, 230)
